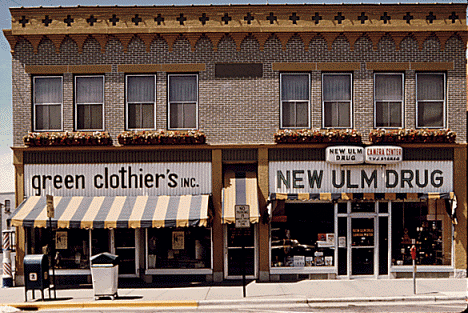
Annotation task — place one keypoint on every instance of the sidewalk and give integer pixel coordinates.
(203, 294)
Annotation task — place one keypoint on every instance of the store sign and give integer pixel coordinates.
(344, 155)
(129, 179)
(324, 177)
(384, 154)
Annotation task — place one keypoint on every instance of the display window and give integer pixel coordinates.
(69, 246)
(425, 225)
(303, 235)
(176, 248)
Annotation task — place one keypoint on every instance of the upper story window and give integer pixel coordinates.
(183, 101)
(141, 101)
(388, 100)
(295, 100)
(89, 99)
(47, 102)
(337, 100)
(430, 107)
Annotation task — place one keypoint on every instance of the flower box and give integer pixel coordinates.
(317, 136)
(161, 137)
(34, 139)
(412, 136)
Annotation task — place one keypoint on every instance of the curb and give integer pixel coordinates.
(101, 304)
(208, 303)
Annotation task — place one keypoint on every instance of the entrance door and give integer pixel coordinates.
(125, 240)
(236, 257)
(362, 246)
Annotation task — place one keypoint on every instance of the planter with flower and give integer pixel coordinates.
(412, 136)
(161, 137)
(44, 139)
(317, 136)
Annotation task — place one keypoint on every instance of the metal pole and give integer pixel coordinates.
(413, 257)
(243, 267)
(7, 277)
(52, 258)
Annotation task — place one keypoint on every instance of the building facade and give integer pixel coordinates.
(341, 128)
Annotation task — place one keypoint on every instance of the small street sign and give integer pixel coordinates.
(50, 206)
(242, 216)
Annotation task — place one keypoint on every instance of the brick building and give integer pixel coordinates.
(341, 127)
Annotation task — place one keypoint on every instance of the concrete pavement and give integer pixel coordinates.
(205, 294)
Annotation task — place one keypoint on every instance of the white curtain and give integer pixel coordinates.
(336, 87)
(430, 86)
(182, 88)
(388, 87)
(140, 89)
(295, 87)
(48, 90)
(89, 90)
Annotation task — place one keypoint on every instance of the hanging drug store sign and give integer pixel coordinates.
(358, 155)
(324, 177)
(129, 179)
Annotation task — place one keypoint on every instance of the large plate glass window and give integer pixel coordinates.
(183, 101)
(48, 99)
(430, 100)
(337, 100)
(388, 100)
(303, 235)
(295, 100)
(141, 101)
(89, 99)
(426, 225)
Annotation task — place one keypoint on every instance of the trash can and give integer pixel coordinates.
(36, 274)
(105, 274)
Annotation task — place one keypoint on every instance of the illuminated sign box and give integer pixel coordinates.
(344, 155)
(384, 154)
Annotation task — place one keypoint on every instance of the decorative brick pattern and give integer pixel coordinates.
(242, 110)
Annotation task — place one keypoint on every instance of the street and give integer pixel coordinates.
(430, 306)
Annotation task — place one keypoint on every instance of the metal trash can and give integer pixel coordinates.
(36, 274)
(105, 275)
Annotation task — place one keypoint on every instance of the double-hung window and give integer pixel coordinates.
(89, 100)
(47, 102)
(141, 101)
(295, 100)
(388, 100)
(430, 90)
(183, 101)
(337, 100)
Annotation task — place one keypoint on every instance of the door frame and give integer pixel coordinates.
(375, 247)
(225, 253)
(137, 252)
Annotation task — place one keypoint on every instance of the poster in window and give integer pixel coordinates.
(61, 240)
(178, 240)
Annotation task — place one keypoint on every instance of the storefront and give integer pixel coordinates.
(155, 216)
(353, 217)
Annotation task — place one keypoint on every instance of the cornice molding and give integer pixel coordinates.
(239, 18)
(125, 39)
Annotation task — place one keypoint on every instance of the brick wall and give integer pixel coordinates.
(240, 110)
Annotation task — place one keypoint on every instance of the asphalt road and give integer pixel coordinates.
(445, 306)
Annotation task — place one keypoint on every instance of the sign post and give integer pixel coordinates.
(51, 215)
(243, 221)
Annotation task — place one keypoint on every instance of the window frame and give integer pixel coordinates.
(77, 104)
(444, 101)
(351, 121)
(48, 104)
(402, 100)
(140, 103)
(294, 101)
(169, 102)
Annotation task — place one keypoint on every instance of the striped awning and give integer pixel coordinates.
(115, 212)
(361, 196)
(240, 189)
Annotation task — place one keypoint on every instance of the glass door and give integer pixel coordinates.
(236, 257)
(125, 248)
(362, 245)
